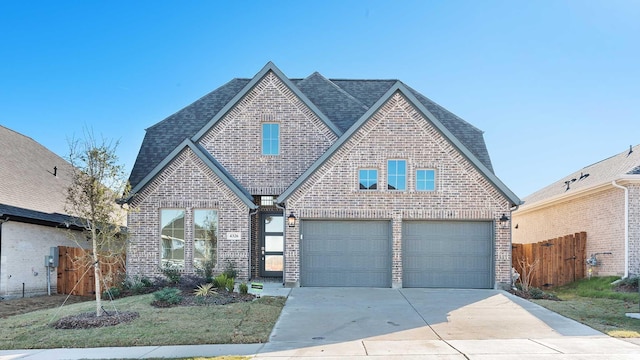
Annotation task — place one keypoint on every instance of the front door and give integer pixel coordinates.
(272, 245)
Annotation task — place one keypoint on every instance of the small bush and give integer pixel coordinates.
(244, 288)
(168, 296)
(230, 269)
(112, 293)
(171, 272)
(204, 290)
(630, 281)
(536, 293)
(206, 269)
(230, 285)
(220, 281)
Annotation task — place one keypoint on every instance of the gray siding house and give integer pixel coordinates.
(320, 182)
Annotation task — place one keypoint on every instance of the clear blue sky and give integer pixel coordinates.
(555, 85)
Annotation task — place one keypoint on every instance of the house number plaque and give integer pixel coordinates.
(233, 235)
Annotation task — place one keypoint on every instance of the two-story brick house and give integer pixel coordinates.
(322, 183)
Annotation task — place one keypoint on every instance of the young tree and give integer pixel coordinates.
(98, 182)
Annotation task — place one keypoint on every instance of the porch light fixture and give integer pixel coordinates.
(291, 220)
(504, 219)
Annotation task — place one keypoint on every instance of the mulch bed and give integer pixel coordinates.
(90, 320)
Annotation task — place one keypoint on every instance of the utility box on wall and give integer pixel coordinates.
(51, 260)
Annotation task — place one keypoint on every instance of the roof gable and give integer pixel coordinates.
(217, 169)
(624, 165)
(405, 91)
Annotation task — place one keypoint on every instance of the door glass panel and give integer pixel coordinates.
(274, 224)
(273, 243)
(273, 263)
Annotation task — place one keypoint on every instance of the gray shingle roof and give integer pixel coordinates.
(602, 172)
(164, 136)
(342, 101)
(26, 175)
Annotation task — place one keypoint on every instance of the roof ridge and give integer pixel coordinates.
(343, 91)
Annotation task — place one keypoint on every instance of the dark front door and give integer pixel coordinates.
(272, 245)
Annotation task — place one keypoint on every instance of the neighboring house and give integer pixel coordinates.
(603, 200)
(320, 182)
(33, 189)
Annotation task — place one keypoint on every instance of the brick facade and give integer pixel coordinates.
(303, 138)
(600, 214)
(462, 193)
(634, 229)
(186, 183)
(396, 131)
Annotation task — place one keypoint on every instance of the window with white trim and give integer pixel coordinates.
(368, 179)
(425, 180)
(397, 175)
(270, 139)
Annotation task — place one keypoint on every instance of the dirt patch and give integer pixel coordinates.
(28, 304)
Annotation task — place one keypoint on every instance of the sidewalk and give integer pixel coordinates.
(325, 324)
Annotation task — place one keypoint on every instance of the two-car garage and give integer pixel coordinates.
(443, 254)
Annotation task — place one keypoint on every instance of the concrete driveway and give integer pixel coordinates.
(358, 322)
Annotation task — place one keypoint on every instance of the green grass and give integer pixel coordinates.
(239, 323)
(594, 302)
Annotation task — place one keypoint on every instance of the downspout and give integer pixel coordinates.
(626, 227)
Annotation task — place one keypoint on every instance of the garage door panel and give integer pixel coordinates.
(447, 254)
(346, 253)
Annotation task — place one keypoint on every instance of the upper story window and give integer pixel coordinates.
(425, 180)
(368, 179)
(397, 175)
(270, 139)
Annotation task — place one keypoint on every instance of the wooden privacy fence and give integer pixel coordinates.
(72, 271)
(560, 261)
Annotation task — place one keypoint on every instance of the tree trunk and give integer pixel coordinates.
(96, 274)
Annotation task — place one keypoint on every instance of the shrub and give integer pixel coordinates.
(536, 293)
(171, 272)
(204, 290)
(168, 295)
(244, 288)
(630, 281)
(230, 285)
(206, 269)
(220, 281)
(230, 269)
(111, 293)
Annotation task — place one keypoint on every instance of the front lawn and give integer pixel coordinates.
(598, 304)
(237, 323)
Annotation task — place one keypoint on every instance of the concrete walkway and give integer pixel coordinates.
(338, 323)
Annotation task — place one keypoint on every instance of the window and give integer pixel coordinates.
(368, 179)
(425, 180)
(172, 236)
(397, 175)
(267, 200)
(205, 237)
(270, 139)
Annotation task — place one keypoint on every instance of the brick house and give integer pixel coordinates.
(33, 191)
(320, 182)
(602, 199)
